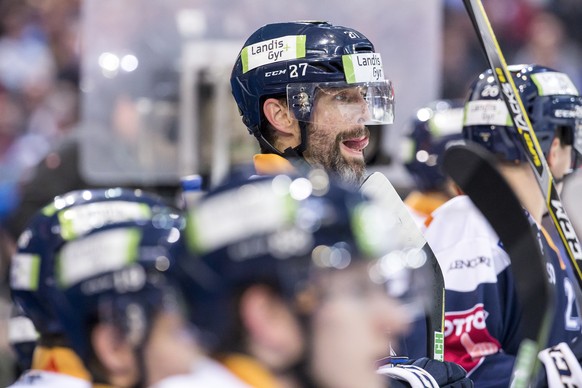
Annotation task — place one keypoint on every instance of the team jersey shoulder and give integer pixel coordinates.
(467, 248)
(207, 373)
(416, 216)
(45, 379)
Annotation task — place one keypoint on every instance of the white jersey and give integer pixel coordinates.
(481, 316)
(482, 310)
(206, 374)
(465, 245)
(41, 378)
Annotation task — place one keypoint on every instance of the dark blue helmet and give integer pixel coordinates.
(86, 235)
(277, 231)
(293, 59)
(550, 99)
(433, 128)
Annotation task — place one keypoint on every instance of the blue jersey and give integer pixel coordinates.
(561, 274)
(482, 312)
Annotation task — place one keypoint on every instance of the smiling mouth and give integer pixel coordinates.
(356, 145)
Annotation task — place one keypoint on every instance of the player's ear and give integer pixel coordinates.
(559, 158)
(113, 352)
(279, 116)
(264, 315)
(554, 148)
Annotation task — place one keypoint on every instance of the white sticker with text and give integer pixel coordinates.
(273, 50)
(363, 68)
(487, 112)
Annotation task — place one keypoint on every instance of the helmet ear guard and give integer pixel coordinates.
(565, 134)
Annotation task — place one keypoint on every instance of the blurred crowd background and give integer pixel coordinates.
(39, 85)
(41, 98)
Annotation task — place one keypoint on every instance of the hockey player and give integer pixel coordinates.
(306, 91)
(94, 272)
(433, 128)
(54, 362)
(288, 286)
(309, 104)
(482, 313)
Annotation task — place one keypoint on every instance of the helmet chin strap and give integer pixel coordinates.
(298, 151)
(293, 154)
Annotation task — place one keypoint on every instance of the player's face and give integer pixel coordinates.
(337, 135)
(170, 349)
(352, 329)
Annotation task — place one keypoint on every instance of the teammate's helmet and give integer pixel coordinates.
(432, 130)
(84, 235)
(293, 59)
(278, 231)
(550, 99)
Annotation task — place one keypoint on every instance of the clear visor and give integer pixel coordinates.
(366, 103)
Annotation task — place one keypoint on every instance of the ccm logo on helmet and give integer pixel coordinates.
(569, 114)
(275, 73)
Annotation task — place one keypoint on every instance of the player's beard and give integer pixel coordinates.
(324, 151)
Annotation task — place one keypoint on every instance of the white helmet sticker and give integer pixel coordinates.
(447, 122)
(221, 220)
(553, 83)
(79, 220)
(487, 112)
(101, 252)
(363, 68)
(24, 272)
(272, 51)
(21, 329)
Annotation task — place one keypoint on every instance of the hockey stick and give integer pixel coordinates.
(377, 186)
(526, 134)
(474, 170)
